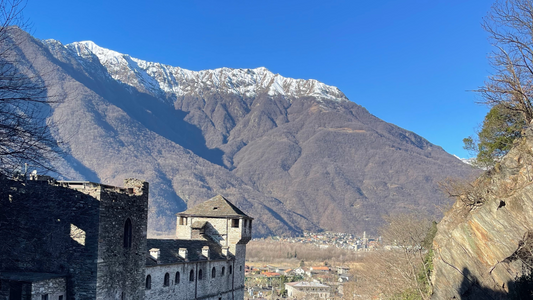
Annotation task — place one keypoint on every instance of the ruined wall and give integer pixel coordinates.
(479, 248)
(35, 229)
(76, 230)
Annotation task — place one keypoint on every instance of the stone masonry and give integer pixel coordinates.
(206, 261)
(76, 230)
(81, 240)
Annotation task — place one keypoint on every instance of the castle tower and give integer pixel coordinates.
(219, 220)
(121, 238)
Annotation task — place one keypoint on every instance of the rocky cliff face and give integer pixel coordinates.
(485, 241)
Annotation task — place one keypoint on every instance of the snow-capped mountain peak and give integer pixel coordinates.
(158, 79)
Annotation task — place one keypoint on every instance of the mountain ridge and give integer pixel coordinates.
(310, 160)
(239, 81)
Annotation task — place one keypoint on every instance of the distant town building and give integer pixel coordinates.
(307, 290)
(343, 270)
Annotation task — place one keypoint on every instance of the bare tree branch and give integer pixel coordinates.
(25, 136)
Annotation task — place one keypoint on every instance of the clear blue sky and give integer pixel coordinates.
(409, 62)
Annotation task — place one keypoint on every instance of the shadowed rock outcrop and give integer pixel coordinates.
(482, 248)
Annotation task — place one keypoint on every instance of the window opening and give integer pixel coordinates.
(213, 273)
(191, 276)
(200, 276)
(166, 282)
(223, 270)
(44, 297)
(183, 220)
(235, 223)
(230, 269)
(148, 282)
(127, 234)
(177, 278)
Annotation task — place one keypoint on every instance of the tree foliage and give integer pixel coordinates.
(501, 127)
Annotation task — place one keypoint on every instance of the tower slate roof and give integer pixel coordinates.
(217, 206)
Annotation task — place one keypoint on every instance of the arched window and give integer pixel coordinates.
(191, 276)
(148, 282)
(166, 282)
(223, 271)
(177, 278)
(213, 273)
(230, 269)
(127, 234)
(200, 276)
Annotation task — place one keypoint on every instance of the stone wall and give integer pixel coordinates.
(221, 286)
(120, 266)
(35, 229)
(235, 238)
(54, 288)
(219, 229)
(239, 265)
(76, 229)
(96, 236)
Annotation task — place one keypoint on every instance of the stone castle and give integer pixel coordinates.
(81, 240)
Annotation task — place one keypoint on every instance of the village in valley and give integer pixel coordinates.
(296, 278)
(327, 239)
